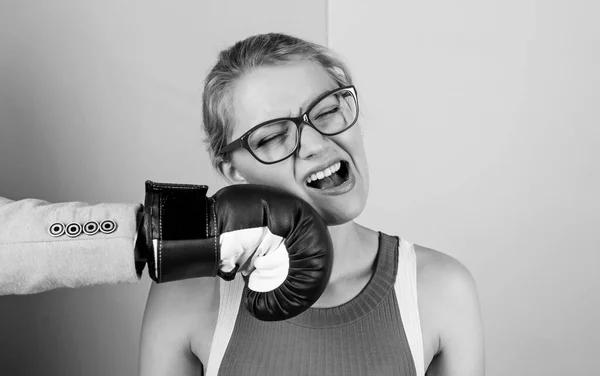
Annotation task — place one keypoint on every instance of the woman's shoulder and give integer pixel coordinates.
(441, 276)
(186, 295)
(446, 291)
(185, 311)
(432, 263)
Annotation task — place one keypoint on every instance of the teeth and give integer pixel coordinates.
(323, 173)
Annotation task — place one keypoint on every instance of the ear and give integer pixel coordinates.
(230, 173)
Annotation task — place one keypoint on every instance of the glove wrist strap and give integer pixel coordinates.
(179, 232)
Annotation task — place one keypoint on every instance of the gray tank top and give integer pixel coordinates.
(364, 336)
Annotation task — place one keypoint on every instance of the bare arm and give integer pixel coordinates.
(453, 308)
(175, 311)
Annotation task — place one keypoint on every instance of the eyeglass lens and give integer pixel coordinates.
(331, 115)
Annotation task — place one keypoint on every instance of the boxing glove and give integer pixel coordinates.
(278, 242)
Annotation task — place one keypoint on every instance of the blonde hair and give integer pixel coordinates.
(256, 51)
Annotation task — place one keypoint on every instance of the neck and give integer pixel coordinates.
(355, 249)
(354, 252)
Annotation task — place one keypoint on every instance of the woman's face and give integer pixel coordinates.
(285, 91)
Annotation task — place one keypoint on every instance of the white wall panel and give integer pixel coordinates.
(482, 127)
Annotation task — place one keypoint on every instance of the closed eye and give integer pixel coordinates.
(332, 111)
(271, 139)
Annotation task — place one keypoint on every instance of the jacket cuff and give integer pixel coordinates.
(46, 246)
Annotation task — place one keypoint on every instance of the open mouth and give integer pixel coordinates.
(331, 177)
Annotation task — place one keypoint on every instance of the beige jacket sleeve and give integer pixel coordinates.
(46, 246)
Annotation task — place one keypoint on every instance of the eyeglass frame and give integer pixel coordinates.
(242, 141)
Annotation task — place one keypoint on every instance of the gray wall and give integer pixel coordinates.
(481, 124)
(482, 127)
(95, 98)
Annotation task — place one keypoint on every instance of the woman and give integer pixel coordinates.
(368, 321)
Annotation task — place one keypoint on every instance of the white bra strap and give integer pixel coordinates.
(230, 295)
(406, 294)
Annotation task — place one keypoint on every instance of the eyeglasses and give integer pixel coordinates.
(273, 141)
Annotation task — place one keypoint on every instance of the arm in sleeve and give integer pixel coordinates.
(45, 246)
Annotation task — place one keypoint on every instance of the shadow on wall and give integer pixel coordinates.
(67, 331)
(64, 331)
(28, 166)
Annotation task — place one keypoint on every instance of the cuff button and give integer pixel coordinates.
(56, 229)
(108, 226)
(73, 230)
(91, 228)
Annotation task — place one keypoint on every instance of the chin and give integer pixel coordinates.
(337, 210)
(336, 214)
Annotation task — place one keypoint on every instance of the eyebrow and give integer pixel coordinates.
(318, 98)
(303, 108)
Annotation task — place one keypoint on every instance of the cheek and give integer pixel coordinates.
(353, 144)
(278, 175)
(355, 147)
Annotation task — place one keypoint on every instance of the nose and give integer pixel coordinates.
(312, 143)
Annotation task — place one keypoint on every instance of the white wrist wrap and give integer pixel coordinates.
(260, 254)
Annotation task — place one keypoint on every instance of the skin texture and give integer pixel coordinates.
(180, 317)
